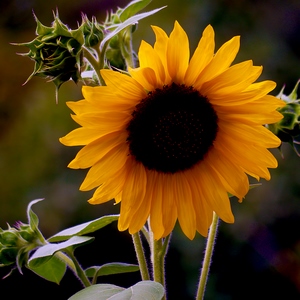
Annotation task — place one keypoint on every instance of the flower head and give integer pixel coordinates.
(171, 141)
(57, 52)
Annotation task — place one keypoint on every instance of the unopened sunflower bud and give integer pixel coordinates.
(57, 52)
(288, 129)
(92, 31)
(16, 243)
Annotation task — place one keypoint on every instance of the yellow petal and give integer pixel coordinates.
(104, 98)
(202, 56)
(169, 216)
(133, 194)
(256, 135)
(106, 167)
(142, 213)
(145, 77)
(94, 151)
(203, 212)
(233, 178)
(235, 79)
(214, 192)
(110, 188)
(184, 203)
(104, 121)
(124, 84)
(252, 119)
(149, 58)
(81, 136)
(250, 158)
(156, 218)
(220, 62)
(160, 47)
(178, 54)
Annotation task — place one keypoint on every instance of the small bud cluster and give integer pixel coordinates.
(61, 54)
(288, 129)
(93, 31)
(16, 244)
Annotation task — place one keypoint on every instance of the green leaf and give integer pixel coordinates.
(146, 290)
(251, 186)
(97, 292)
(133, 8)
(131, 21)
(84, 228)
(33, 219)
(254, 185)
(110, 269)
(44, 253)
(53, 270)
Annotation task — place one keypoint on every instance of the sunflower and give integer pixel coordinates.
(174, 139)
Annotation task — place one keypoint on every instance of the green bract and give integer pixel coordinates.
(288, 129)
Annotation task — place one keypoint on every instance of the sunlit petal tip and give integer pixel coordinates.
(122, 226)
(227, 217)
(73, 164)
(208, 29)
(177, 26)
(63, 141)
(190, 234)
(93, 201)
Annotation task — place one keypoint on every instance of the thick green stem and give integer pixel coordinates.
(97, 64)
(158, 262)
(126, 48)
(158, 253)
(140, 256)
(207, 257)
(76, 268)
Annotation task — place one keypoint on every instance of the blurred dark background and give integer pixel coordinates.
(256, 257)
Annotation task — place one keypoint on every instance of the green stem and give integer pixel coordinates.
(207, 257)
(145, 232)
(158, 253)
(140, 256)
(158, 261)
(126, 48)
(165, 245)
(76, 268)
(96, 64)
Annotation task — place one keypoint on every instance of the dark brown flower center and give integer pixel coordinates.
(172, 129)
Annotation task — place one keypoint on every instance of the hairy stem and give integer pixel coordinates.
(140, 256)
(207, 257)
(76, 268)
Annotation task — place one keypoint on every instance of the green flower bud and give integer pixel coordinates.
(57, 52)
(92, 31)
(288, 129)
(16, 243)
(9, 238)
